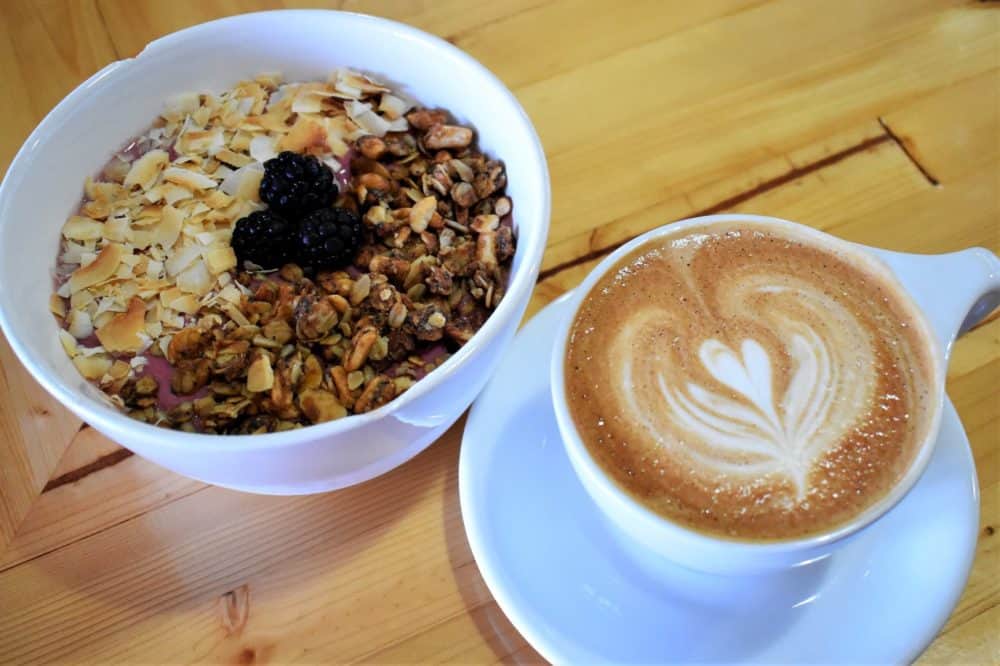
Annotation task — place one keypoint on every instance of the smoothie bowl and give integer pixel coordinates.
(285, 269)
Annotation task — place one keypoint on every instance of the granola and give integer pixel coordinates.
(156, 309)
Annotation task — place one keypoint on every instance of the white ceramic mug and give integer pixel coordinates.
(952, 290)
(45, 182)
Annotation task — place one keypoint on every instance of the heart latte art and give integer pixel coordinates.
(748, 381)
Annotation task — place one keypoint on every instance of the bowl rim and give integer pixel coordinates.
(521, 281)
(629, 510)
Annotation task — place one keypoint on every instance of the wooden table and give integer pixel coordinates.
(876, 120)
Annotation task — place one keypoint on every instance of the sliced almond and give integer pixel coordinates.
(101, 269)
(320, 406)
(260, 375)
(121, 334)
(421, 213)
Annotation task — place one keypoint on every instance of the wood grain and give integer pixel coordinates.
(46, 50)
(877, 121)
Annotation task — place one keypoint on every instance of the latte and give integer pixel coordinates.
(751, 381)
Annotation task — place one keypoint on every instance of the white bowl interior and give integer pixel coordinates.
(45, 183)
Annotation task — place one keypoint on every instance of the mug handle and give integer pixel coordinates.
(956, 290)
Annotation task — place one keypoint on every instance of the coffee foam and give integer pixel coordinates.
(749, 382)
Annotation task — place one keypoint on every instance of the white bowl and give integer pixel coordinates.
(45, 182)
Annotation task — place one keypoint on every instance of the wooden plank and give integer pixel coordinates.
(475, 636)
(96, 485)
(583, 34)
(138, 587)
(956, 130)
(690, 127)
(134, 23)
(50, 48)
(34, 432)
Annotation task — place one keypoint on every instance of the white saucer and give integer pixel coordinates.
(578, 598)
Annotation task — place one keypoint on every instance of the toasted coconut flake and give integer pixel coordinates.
(275, 120)
(101, 269)
(233, 159)
(68, 343)
(168, 229)
(146, 169)
(393, 107)
(181, 259)
(338, 130)
(140, 239)
(115, 229)
(246, 179)
(220, 259)
(263, 148)
(102, 191)
(362, 114)
(57, 305)
(201, 142)
(187, 304)
(188, 178)
(218, 199)
(98, 210)
(81, 300)
(92, 367)
(121, 334)
(350, 81)
(307, 135)
(248, 189)
(173, 193)
(183, 104)
(79, 325)
(82, 228)
(195, 279)
(307, 102)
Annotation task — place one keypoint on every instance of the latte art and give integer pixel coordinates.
(749, 384)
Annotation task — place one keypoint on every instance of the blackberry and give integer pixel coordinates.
(265, 238)
(295, 185)
(328, 238)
